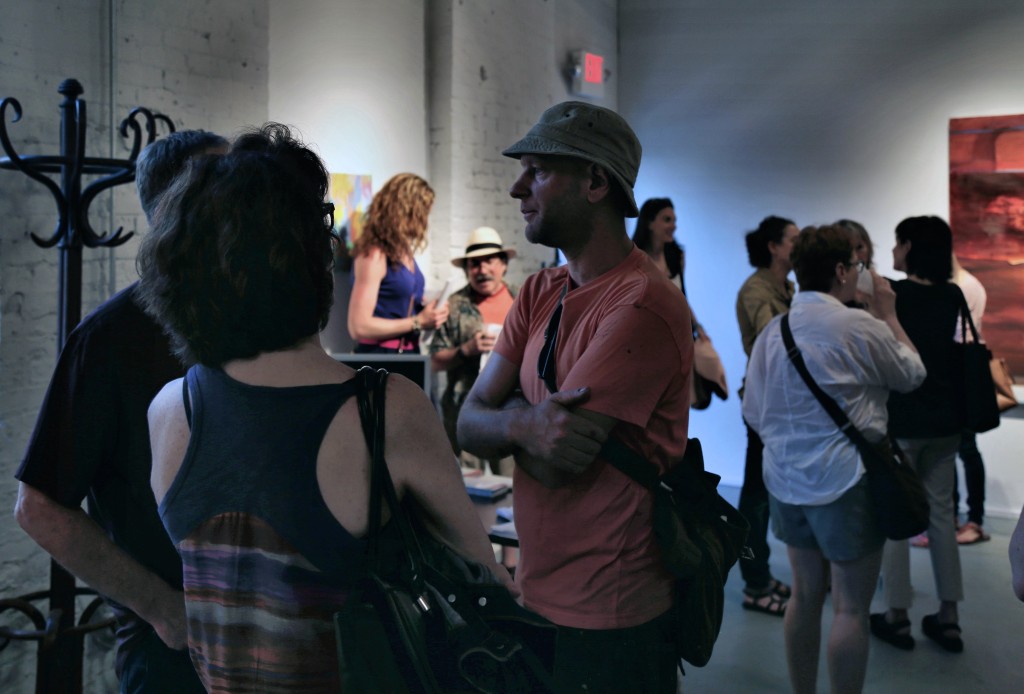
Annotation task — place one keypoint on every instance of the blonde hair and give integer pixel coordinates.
(396, 222)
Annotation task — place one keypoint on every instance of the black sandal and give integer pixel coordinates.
(936, 631)
(780, 589)
(775, 606)
(890, 632)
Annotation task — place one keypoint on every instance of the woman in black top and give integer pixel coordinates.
(926, 423)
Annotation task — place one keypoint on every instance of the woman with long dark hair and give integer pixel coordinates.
(655, 236)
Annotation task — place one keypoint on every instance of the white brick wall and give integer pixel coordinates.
(204, 65)
(480, 72)
(495, 66)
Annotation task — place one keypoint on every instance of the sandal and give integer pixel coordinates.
(971, 533)
(890, 632)
(939, 633)
(767, 602)
(780, 589)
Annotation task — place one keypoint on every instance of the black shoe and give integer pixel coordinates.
(889, 632)
(937, 632)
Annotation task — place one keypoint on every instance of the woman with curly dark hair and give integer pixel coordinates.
(260, 468)
(386, 311)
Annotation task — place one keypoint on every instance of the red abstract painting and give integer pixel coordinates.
(986, 201)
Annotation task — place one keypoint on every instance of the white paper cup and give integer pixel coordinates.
(865, 282)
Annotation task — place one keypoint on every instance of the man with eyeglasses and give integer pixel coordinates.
(476, 314)
(600, 348)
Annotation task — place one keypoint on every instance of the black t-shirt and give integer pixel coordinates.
(928, 314)
(93, 424)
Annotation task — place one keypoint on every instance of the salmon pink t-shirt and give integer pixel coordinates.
(589, 558)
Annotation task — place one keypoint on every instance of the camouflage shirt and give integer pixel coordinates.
(464, 319)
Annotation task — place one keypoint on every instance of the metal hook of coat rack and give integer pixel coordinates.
(59, 638)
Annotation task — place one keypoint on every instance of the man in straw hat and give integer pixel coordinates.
(475, 316)
(599, 347)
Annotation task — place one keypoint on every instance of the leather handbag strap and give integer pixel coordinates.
(371, 386)
(830, 405)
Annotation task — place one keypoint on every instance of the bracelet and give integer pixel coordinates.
(415, 324)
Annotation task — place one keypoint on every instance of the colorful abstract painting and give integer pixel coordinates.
(351, 195)
(986, 200)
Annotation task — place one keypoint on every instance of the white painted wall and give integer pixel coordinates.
(814, 111)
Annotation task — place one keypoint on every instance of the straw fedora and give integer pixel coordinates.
(483, 241)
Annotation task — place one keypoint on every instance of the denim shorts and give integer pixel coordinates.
(842, 530)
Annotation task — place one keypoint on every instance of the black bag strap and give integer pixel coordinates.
(967, 320)
(370, 391)
(624, 458)
(826, 400)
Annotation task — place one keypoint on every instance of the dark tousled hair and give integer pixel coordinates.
(642, 234)
(239, 260)
(160, 162)
(772, 229)
(816, 253)
(931, 248)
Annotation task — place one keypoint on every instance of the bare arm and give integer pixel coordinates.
(80, 546)
(370, 269)
(553, 441)
(421, 463)
(1017, 557)
(882, 305)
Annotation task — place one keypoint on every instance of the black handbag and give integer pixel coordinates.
(979, 407)
(427, 620)
(897, 495)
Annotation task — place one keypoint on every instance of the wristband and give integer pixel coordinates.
(415, 324)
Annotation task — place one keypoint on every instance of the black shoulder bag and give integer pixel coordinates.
(898, 498)
(427, 620)
(700, 534)
(979, 407)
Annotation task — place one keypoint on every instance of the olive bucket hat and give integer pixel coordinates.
(596, 134)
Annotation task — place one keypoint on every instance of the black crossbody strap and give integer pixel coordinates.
(625, 459)
(830, 405)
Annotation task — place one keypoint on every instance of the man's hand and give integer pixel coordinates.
(562, 444)
(168, 619)
(478, 344)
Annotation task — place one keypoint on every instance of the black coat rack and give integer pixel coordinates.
(59, 637)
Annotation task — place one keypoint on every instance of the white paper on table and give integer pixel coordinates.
(427, 335)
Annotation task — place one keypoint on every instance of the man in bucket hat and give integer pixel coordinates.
(599, 347)
(475, 316)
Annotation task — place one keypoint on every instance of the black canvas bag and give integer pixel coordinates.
(979, 406)
(897, 495)
(701, 535)
(426, 619)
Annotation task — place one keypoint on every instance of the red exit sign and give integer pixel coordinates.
(593, 68)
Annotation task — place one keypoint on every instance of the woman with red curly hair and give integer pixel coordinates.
(386, 311)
